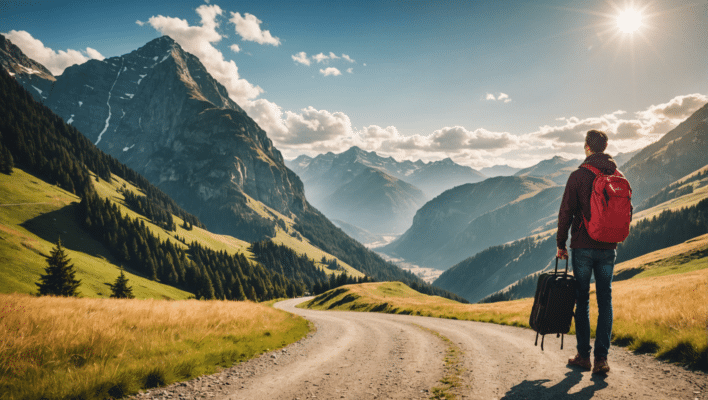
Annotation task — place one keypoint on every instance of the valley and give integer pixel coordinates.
(343, 274)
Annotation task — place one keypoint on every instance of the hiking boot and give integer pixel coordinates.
(601, 366)
(581, 362)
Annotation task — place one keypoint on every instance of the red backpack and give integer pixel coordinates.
(610, 207)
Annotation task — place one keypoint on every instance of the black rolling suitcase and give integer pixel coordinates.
(553, 304)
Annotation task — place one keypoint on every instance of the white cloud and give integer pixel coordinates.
(249, 28)
(501, 97)
(55, 61)
(330, 71)
(301, 58)
(314, 131)
(199, 40)
(94, 54)
(139, 22)
(663, 117)
(346, 57)
(350, 70)
(625, 133)
(235, 48)
(320, 58)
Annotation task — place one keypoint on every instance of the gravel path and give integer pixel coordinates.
(382, 356)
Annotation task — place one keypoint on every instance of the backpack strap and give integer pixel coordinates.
(598, 172)
(592, 169)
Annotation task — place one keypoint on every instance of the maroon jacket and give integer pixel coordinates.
(576, 203)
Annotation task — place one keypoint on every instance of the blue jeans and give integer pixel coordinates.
(602, 263)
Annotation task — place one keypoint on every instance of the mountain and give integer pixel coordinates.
(677, 154)
(158, 111)
(499, 170)
(345, 187)
(532, 214)
(320, 172)
(557, 169)
(440, 221)
(31, 74)
(378, 202)
(622, 158)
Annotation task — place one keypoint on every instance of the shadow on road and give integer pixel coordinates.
(536, 390)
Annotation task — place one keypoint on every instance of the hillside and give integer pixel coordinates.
(441, 220)
(33, 215)
(678, 153)
(685, 257)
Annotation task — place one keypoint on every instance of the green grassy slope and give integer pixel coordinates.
(33, 215)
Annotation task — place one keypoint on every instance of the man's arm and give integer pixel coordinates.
(565, 216)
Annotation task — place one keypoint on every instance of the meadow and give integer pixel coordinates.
(661, 311)
(57, 348)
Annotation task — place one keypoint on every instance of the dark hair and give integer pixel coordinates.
(596, 140)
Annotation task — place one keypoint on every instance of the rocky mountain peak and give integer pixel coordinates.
(159, 111)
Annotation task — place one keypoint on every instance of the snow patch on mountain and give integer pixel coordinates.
(108, 103)
(128, 148)
(70, 119)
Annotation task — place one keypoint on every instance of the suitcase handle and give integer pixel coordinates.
(566, 266)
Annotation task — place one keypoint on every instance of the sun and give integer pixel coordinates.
(629, 20)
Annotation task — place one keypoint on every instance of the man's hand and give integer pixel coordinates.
(562, 254)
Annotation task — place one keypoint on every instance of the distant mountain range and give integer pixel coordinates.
(374, 193)
(557, 169)
(499, 170)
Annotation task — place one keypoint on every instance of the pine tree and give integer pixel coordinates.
(120, 289)
(60, 277)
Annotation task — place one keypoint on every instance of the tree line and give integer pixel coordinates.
(672, 191)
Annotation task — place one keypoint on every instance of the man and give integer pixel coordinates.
(588, 255)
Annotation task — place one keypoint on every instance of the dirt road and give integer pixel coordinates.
(381, 356)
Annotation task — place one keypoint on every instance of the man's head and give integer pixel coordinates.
(595, 142)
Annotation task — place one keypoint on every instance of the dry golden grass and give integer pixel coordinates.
(696, 243)
(53, 347)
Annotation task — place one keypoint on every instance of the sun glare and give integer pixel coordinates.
(629, 20)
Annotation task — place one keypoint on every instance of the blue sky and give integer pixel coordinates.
(483, 82)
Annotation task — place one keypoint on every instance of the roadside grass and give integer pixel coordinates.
(451, 380)
(33, 214)
(689, 256)
(662, 315)
(58, 348)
